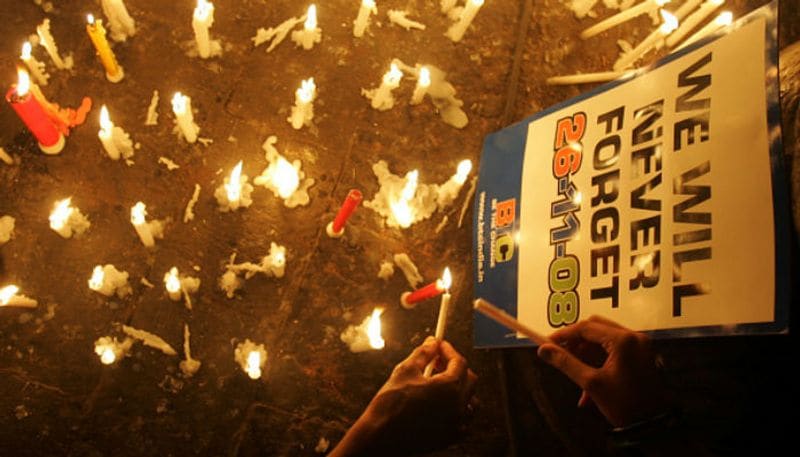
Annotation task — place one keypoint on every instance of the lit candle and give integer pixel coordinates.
(66, 220)
(46, 39)
(97, 33)
(448, 192)
(182, 107)
(110, 350)
(173, 284)
(335, 229)
(107, 280)
(381, 97)
(303, 109)
(275, 262)
(724, 19)
(669, 24)
(9, 297)
(27, 107)
(367, 335)
(644, 7)
(410, 299)
(147, 231)
(235, 192)
(584, 78)
(251, 357)
(121, 24)
(693, 21)
(402, 212)
(311, 33)
(686, 7)
(36, 68)
(202, 19)
(423, 82)
(441, 322)
(362, 20)
(456, 31)
(116, 141)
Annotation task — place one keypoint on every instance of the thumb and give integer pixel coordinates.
(562, 360)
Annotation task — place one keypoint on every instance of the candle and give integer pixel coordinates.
(107, 280)
(644, 7)
(173, 284)
(456, 31)
(284, 178)
(410, 299)
(586, 77)
(686, 7)
(110, 349)
(693, 21)
(381, 97)
(724, 19)
(423, 82)
(188, 366)
(66, 220)
(97, 33)
(401, 18)
(9, 297)
(362, 20)
(251, 357)
(402, 212)
(121, 24)
(149, 339)
(5, 157)
(311, 33)
(46, 39)
(668, 26)
(36, 68)
(367, 335)
(28, 108)
(182, 107)
(335, 228)
(235, 192)
(276, 260)
(147, 231)
(6, 228)
(116, 141)
(448, 192)
(303, 109)
(180, 286)
(202, 19)
(441, 322)
(502, 318)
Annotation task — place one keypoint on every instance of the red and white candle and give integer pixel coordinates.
(335, 229)
(410, 299)
(50, 139)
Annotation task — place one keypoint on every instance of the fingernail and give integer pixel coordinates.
(545, 353)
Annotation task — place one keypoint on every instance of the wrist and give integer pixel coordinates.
(655, 429)
(360, 438)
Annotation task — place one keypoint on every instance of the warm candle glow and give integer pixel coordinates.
(203, 9)
(424, 77)
(178, 103)
(401, 209)
(234, 186)
(374, 329)
(60, 214)
(724, 19)
(578, 198)
(107, 355)
(306, 91)
(446, 281)
(105, 122)
(286, 178)
(670, 22)
(96, 281)
(477, 2)
(23, 83)
(90, 19)
(138, 212)
(26, 51)
(368, 3)
(464, 167)
(393, 76)
(171, 281)
(278, 259)
(254, 365)
(311, 18)
(6, 293)
(411, 186)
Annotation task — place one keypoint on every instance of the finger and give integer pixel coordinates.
(456, 367)
(585, 400)
(562, 360)
(607, 321)
(470, 385)
(422, 354)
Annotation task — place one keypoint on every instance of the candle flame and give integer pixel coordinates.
(306, 91)
(253, 364)
(578, 198)
(717, 2)
(98, 275)
(286, 178)
(138, 212)
(61, 213)
(234, 185)
(105, 122)
(477, 2)
(178, 103)
(23, 83)
(203, 10)
(26, 50)
(171, 281)
(424, 77)
(7, 293)
(411, 185)
(670, 22)
(107, 355)
(90, 19)
(311, 18)
(278, 259)
(368, 3)
(724, 18)
(464, 167)
(374, 329)
(401, 210)
(394, 75)
(661, 3)
(447, 280)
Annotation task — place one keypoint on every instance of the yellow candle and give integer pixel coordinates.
(97, 33)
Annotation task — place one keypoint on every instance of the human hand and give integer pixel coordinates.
(411, 412)
(626, 387)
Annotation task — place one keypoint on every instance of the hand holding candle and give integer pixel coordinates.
(441, 322)
(311, 33)
(97, 33)
(28, 108)
(335, 229)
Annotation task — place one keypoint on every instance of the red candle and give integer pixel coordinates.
(410, 299)
(51, 141)
(336, 228)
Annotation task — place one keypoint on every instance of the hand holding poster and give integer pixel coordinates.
(656, 201)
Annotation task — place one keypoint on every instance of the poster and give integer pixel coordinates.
(657, 201)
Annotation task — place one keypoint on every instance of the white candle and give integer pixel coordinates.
(119, 21)
(251, 357)
(362, 20)
(182, 107)
(311, 33)
(67, 220)
(652, 40)
(724, 19)
(107, 280)
(6, 228)
(173, 284)
(303, 109)
(36, 68)
(284, 178)
(115, 141)
(46, 39)
(276, 260)
(586, 78)
(441, 322)
(686, 7)
(401, 18)
(693, 21)
(457, 30)
(382, 98)
(448, 192)
(235, 192)
(365, 336)
(423, 82)
(9, 297)
(110, 350)
(188, 366)
(625, 15)
(143, 228)
(202, 19)
(401, 210)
